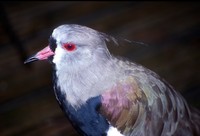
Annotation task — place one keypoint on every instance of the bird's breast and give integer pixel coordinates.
(85, 118)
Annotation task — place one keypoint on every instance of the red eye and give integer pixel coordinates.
(69, 46)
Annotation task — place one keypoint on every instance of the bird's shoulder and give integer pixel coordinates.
(131, 100)
(120, 104)
(144, 100)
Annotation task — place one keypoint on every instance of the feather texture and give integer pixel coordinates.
(146, 105)
(134, 99)
(105, 95)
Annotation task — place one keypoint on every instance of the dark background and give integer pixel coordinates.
(27, 104)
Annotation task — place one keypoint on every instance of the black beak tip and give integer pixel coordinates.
(31, 59)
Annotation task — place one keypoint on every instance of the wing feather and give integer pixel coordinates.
(149, 107)
(120, 105)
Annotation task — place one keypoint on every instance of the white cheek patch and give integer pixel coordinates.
(59, 52)
(112, 131)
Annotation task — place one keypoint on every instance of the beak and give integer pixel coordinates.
(41, 55)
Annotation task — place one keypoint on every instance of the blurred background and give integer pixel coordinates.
(27, 103)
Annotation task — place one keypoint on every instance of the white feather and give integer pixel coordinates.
(112, 131)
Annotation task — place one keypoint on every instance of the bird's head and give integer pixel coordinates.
(74, 46)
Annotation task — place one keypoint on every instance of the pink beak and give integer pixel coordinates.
(41, 55)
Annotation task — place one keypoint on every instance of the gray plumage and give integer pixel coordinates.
(135, 100)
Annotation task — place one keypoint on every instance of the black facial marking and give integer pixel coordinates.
(52, 43)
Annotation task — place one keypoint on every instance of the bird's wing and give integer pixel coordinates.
(123, 104)
(148, 107)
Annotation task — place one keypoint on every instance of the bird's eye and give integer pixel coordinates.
(69, 46)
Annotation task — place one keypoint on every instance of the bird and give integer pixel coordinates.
(107, 95)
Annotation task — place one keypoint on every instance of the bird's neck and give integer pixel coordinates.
(79, 85)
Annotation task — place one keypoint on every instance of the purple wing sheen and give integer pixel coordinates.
(121, 104)
(147, 109)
